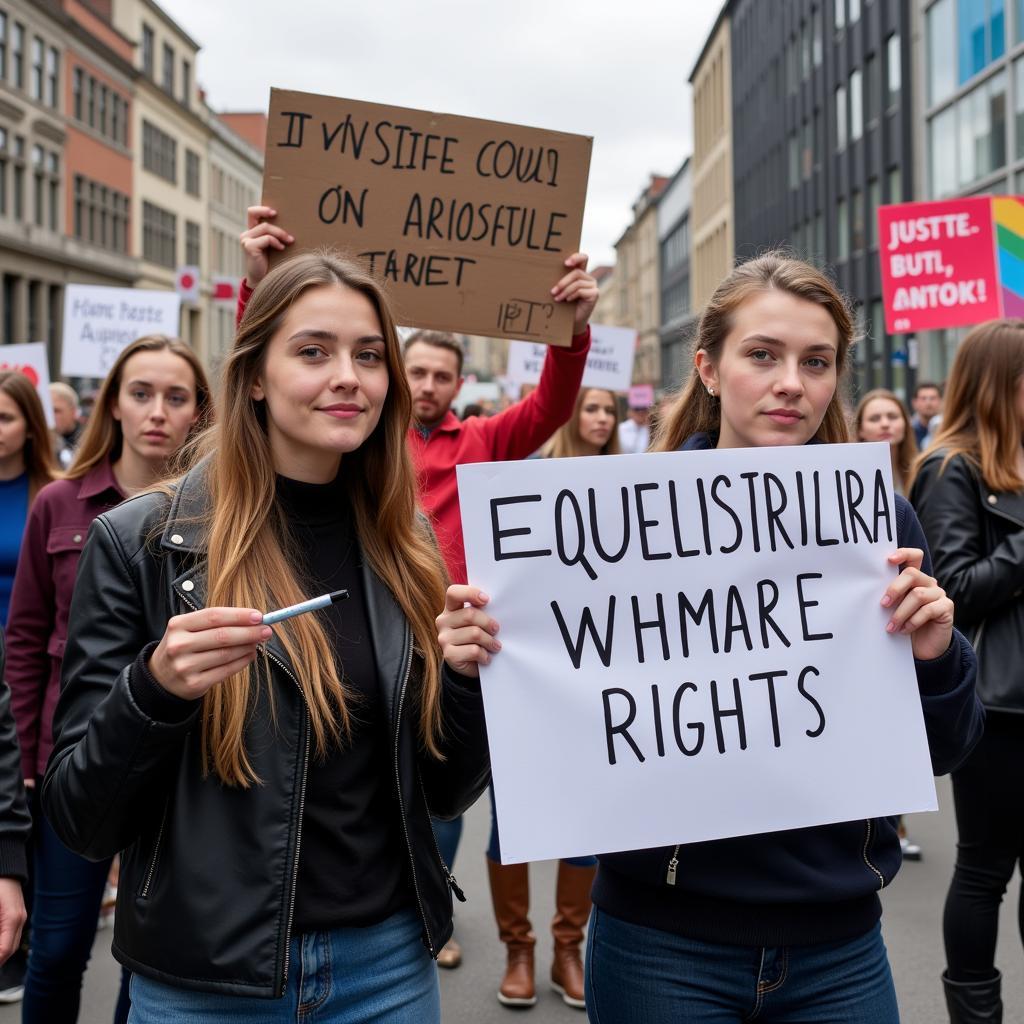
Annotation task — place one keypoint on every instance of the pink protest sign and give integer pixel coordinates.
(939, 264)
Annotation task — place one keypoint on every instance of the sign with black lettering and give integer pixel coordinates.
(693, 646)
(468, 222)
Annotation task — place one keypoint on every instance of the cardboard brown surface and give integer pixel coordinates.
(434, 206)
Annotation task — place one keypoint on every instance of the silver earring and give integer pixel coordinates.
(711, 392)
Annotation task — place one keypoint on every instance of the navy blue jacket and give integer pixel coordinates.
(806, 885)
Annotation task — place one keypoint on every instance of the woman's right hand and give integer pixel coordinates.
(201, 649)
(258, 239)
(467, 634)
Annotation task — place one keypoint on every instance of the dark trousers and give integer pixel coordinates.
(67, 893)
(988, 792)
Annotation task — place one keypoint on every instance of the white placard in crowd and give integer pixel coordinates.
(609, 364)
(99, 322)
(693, 646)
(33, 361)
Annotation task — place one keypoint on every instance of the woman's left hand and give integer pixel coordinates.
(579, 287)
(920, 606)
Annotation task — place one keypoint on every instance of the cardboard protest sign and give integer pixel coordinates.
(693, 646)
(468, 222)
(33, 362)
(99, 322)
(951, 263)
(609, 363)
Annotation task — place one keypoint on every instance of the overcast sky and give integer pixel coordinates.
(613, 69)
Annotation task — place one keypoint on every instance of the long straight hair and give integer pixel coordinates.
(906, 451)
(693, 410)
(248, 542)
(566, 441)
(103, 437)
(979, 417)
(38, 451)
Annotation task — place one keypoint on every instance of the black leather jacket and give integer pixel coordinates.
(208, 872)
(976, 536)
(15, 822)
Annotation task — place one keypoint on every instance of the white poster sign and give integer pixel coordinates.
(99, 322)
(693, 646)
(609, 364)
(32, 361)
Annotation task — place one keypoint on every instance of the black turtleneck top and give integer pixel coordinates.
(352, 862)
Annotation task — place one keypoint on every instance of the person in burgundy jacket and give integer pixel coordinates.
(155, 394)
(439, 442)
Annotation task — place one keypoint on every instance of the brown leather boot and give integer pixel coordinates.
(510, 893)
(572, 908)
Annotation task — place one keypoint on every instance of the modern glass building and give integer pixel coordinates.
(970, 65)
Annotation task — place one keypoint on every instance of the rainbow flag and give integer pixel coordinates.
(1008, 217)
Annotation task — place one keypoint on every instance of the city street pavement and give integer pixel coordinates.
(912, 923)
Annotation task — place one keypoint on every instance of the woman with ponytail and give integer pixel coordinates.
(268, 788)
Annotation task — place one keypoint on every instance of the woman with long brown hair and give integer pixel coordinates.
(782, 926)
(969, 492)
(881, 416)
(591, 430)
(154, 397)
(268, 788)
(26, 465)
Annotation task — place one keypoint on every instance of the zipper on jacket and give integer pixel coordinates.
(864, 854)
(673, 863)
(298, 827)
(976, 642)
(156, 852)
(452, 883)
(398, 790)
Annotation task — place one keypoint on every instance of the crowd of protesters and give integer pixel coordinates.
(273, 802)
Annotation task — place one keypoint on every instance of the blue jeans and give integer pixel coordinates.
(638, 975)
(346, 976)
(448, 834)
(67, 891)
(494, 843)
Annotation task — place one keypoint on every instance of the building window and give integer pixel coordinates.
(38, 195)
(18, 55)
(840, 14)
(981, 126)
(90, 111)
(872, 89)
(856, 104)
(186, 83)
(816, 37)
(77, 85)
(895, 185)
(805, 50)
(104, 101)
(36, 91)
(192, 244)
(794, 160)
(859, 236)
(894, 70)
(3, 46)
(840, 117)
(159, 235)
(843, 234)
(192, 173)
(100, 215)
(942, 153)
(52, 75)
(115, 117)
(168, 79)
(941, 49)
(159, 152)
(874, 200)
(1018, 91)
(854, 11)
(982, 35)
(148, 51)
